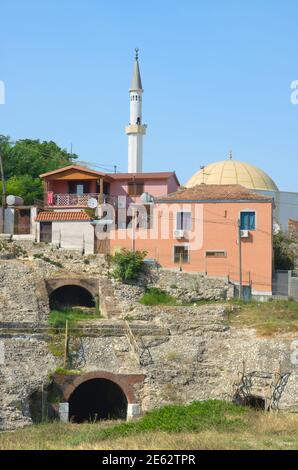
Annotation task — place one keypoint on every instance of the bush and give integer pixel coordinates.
(128, 265)
(156, 296)
(283, 254)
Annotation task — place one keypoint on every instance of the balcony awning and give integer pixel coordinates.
(63, 216)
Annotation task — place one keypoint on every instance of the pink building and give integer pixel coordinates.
(72, 190)
(196, 230)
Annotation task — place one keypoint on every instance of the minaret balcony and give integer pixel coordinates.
(136, 129)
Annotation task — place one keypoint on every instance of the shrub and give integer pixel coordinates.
(283, 254)
(128, 265)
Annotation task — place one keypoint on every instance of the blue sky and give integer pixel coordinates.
(216, 75)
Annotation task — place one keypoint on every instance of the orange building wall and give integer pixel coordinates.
(216, 225)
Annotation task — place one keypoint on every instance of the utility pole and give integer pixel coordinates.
(240, 259)
(65, 362)
(3, 204)
(133, 227)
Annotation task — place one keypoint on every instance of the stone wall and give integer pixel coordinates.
(23, 297)
(194, 355)
(27, 362)
(185, 287)
(192, 287)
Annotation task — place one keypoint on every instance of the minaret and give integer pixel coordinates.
(135, 130)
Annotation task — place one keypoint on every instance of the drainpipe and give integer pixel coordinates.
(240, 259)
(3, 205)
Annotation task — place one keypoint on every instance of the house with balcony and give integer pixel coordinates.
(75, 196)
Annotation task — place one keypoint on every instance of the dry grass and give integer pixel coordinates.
(268, 318)
(260, 430)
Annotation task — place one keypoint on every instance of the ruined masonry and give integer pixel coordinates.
(142, 357)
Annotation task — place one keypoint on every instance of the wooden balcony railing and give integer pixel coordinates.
(70, 200)
(77, 200)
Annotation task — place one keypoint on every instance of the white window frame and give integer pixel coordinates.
(184, 245)
(249, 210)
(183, 212)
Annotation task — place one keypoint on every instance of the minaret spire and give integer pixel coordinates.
(135, 130)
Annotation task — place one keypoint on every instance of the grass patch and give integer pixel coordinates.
(276, 316)
(63, 371)
(156, 296)
(58, 318)
(201, 425)
(48, 260)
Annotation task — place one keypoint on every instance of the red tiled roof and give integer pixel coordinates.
(62, 216)
(116, 176)
(293, 223)
(72, 167)
(159, 175)
(214, 192)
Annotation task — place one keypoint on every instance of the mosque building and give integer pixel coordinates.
(232, 171)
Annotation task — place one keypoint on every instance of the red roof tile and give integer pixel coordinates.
(72, 167)
(62, 216)
(214, 192)
(158, 175)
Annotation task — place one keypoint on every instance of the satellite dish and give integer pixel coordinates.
(14, 200)
(276, 228)
(92, 203)
(146, 198)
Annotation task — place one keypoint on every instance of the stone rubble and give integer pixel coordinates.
(194, 353)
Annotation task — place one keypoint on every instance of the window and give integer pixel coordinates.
(147, 219)
(248, 220)
(215, 254)
(78, 188)
(135, 189)
(181, 254)
(183, 221)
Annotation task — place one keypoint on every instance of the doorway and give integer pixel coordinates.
(97, 399)
(46, 232)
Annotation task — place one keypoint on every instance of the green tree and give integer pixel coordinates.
(283, 254)
(25, 160)
(24, 186)
(32, 157)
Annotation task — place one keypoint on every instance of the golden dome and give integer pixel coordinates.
(233, 172)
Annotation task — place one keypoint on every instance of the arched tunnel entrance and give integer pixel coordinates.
(97, 399)
(71, 296)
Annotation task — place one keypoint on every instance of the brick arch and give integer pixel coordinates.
(124, 381)
(91, 284)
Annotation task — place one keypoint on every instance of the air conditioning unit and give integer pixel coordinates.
(146, 198)
(179, 233)
(244, 233)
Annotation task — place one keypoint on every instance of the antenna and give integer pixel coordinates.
(107, 167)
(202, 167)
